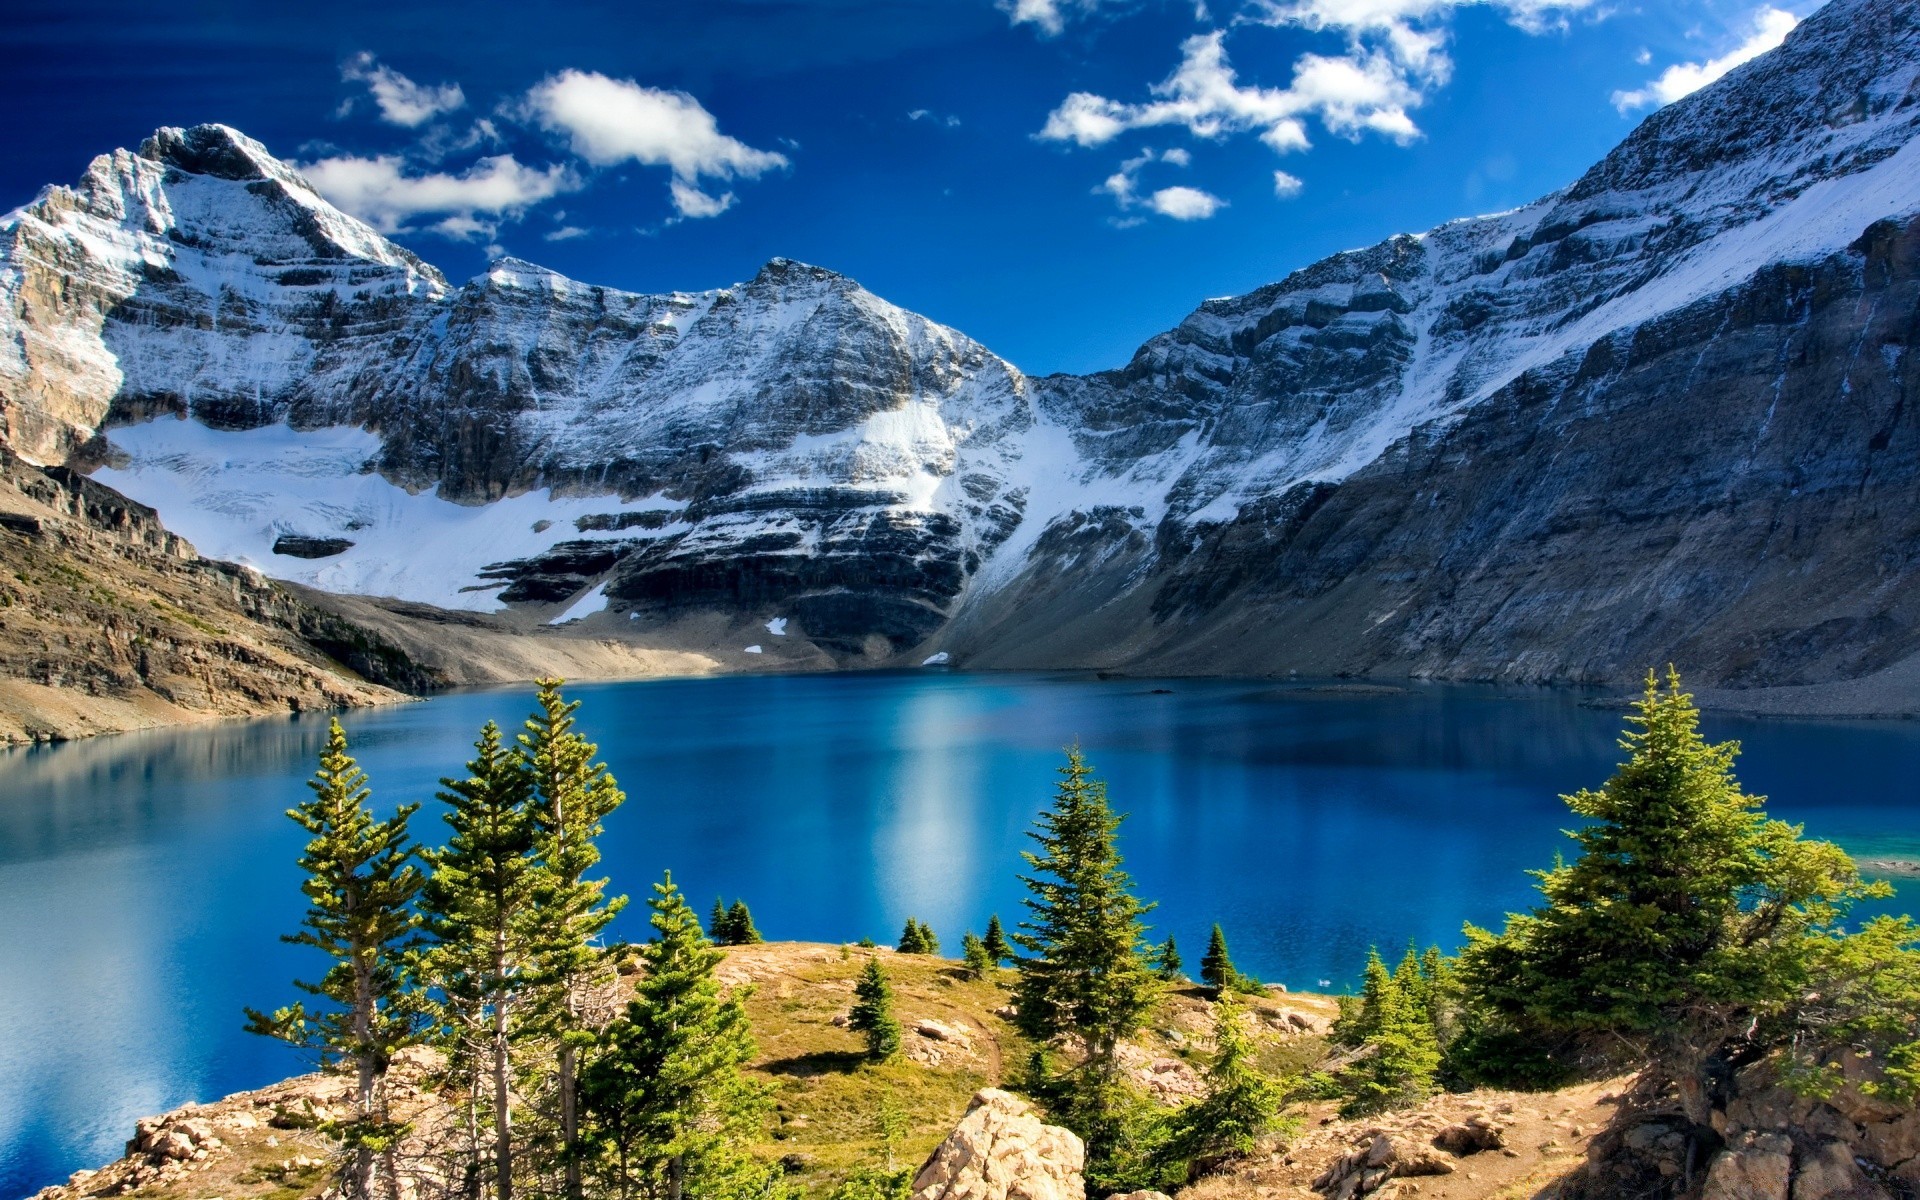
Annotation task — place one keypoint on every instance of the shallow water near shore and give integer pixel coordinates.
(145, 878)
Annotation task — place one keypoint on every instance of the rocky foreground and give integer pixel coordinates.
(976, 1141)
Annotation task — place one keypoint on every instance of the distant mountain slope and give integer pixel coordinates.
(1659, 414)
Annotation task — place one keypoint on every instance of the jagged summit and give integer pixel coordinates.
(1656, 414)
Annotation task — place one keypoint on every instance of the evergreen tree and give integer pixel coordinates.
(1404, 1059)
(1359, 1023)
(1216, 966)
(360, 886)
(973, 953)
(872, 1013)
(1241, 1102)
(1684, 928)
(996, 941)
(1085, 976)
(668, 1110)
(719, 928)
(740, 929)
(571, 796)
(478, 907)
(1166, 961)
(917, 938)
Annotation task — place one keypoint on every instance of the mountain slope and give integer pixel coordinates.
(1659, 414)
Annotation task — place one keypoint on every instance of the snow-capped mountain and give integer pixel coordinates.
(1659, 414)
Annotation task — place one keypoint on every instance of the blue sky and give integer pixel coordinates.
(1061, 179)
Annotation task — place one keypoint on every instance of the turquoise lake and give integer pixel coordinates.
(145, 879)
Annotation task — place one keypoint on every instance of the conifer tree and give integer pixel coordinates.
(571, 795)
(668, 1110)
(872, 1013)
(740, 928)
(1166, 961)
(1240, 1104)
(1085, 975)
(1686, 923)
(478, 907)
(719, 927)
(1360, 1022)
(1405, 1057)
(917, 938)
(360, 886)
(1216, 966)
(973, 953)
(995, 940)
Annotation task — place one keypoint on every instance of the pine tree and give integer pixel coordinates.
(872, 1013)
(1359, 1023)
(1405, 1057)
(668, 1110)
(1685, 924)
(571, 796)
(996, 941)
(478, 907)
(1241, 1103)
(360, 887)
(917, 938)
(973, 953)
(740, 929)
(1216, 966)
(719, 928)
(1166, 961)
(1086, 976)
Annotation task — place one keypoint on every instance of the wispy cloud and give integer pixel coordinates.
(400, 100)
(385, 193)
(1286, 186)
(1770, 26)
(608, 121)
(934, 118)
(1350, 95)
(1180, 203)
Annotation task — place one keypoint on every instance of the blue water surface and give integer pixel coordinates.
(145, 878)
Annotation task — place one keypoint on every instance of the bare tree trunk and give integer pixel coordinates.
(570, 1122)
(502, 1097)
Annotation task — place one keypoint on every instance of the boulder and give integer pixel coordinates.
(1829, 1172)
(1759, 1167)
(1471, 1136)
(1002, 1151)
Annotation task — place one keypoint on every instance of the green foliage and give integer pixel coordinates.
(872, 1013)
(1086, 976)
(1359, 1022)
(1166, 961)
(740, 927)
(478, 910)
(917, 938)
(1401, 1055)
(360, 885)
(1126, 1133)
(1241, 1103)
(571, 795)
(973, 953)
(1686, 929)
(1216, 965)
(1867, 999)
(996, 941)
(668, 1111)
(866, 1183)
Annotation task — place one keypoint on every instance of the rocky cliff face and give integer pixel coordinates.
(1660, 414)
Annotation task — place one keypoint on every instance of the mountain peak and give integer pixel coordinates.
(220, 151)
(790, 271)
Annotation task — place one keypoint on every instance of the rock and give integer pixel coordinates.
(940, 1031)
(841, 1020)
(1893, 1143)
(1384, 1156)
(1002, 1151)
(1829, 1172)
(1147, 1194)
(1471, 1136)
(1759, 1168)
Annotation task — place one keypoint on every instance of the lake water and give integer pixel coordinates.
(144, 879)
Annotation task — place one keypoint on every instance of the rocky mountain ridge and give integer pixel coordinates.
(1657, 415)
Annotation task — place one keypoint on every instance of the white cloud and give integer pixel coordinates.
(1287, 186)
(923, 114)
(1770, 27)
(1050, 15)
(401, 101)
(565, 233)
(1351, 94)
(1185, 203)
(381, 192)
(608, 121)
(1180, 203)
